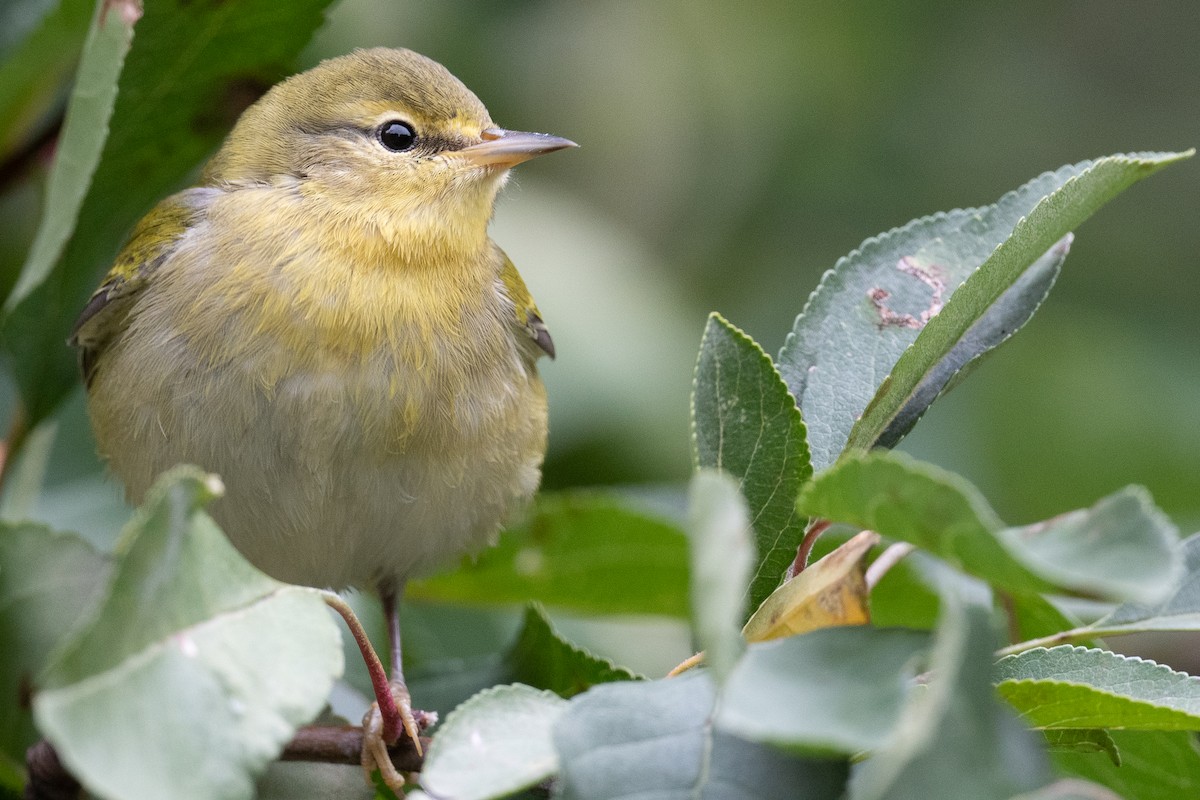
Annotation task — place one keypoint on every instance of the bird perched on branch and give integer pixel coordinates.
(324, 322)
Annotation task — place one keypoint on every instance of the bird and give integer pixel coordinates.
(324, 321)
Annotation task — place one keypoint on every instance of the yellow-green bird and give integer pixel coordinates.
(325, 323)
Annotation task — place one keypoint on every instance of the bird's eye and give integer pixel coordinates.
(397, 136)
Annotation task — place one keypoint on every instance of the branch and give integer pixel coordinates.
(49, 779)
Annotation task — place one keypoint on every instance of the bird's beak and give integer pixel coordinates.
(504, 149)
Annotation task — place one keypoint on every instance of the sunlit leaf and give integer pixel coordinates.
(829, 592)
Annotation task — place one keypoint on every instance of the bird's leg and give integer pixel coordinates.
(390, 595)
(383, 721)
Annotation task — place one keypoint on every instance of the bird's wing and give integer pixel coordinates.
(529, 319)
(152, 242)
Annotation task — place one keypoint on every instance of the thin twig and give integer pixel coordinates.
(50, 780)
(889, 558)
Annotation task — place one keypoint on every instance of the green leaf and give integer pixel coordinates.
(301, 780)
(80, 143)
(496, 743)
(722, 558)
(746, 423)
(191, 69)
(541, 658)
(577, 550)
(196, 668)
(1078, 687)
(655, 739)
(48, 581)
(835, 690)
(1155, 765)
(1179, 611)
(955, 721)
(1121, 548)
(39, 54)
(1082, 740)
(1069, 789)
(859, 347)
(1069, 197)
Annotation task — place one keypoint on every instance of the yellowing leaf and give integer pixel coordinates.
(828, 593)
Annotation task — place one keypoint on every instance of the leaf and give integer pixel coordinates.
(496, 743)
(541, 658)
(1155, 765)
(48, 582)
(1121, 548)
(1078, 687)
(1179, 611)
(1082, 740)
(80, 143)
(578, 550)
(746, 423)
(1075, 194)
(838, 690)
(655, 739)
(191, 69)
(886, 330)
(196, 668)
(829, 592)
(299, 780)
(722, 558)
(1069, 789)
(956, 721)
(39, 55)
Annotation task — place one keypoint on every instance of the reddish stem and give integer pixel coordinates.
(814, 531)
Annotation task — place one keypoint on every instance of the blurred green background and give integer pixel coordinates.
(731, 153)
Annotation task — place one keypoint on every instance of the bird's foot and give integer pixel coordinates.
(384, 726)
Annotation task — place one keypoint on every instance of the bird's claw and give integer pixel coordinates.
(375, 754)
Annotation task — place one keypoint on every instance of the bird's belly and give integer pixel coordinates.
(337, 475)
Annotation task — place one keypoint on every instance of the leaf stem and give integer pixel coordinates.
(811, 534)
(889, 558)
(1063, 637)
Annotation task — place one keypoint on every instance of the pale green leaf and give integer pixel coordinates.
(48, 582)
(496, 743)
(80, 143)
(1121, 548)
(954, 723)
(1068, 197)
(1179, 611)
(848, 355)
(196, 668)
(835, 690)
(745, 422)
(655, 739)
(1078, 687)
(722, 558)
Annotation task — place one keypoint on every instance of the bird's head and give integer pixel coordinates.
(387, 137)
